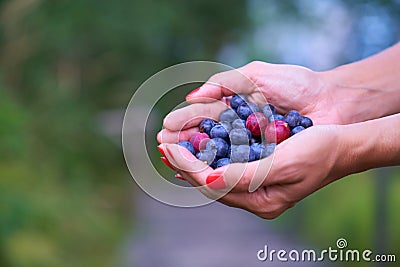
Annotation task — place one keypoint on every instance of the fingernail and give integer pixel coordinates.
(179, 177)
(215, 181)
(161, 150)
(166, 161)
(192, 93)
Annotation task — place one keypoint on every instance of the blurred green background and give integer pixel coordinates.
(65, 193)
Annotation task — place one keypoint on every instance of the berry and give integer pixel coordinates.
(256, 123)
(296, 130)
(188, 146)
(238, 124)
(206, 125)
(277, 131)
(293, 118)
(306, 122)
(240, 153)
(256, 150)
(222, 162)
(206, 156)
(254, 107)
(268, 110)
(219, 146)
(227, 125)
(199, 141)
(237, 100)
(239, 137)
(219, 131)
(277, 117)
(269, 149)
(228, 115)
(243, 111)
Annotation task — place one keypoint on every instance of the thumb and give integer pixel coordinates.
(222, 84)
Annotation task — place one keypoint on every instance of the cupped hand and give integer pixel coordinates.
(300, 165)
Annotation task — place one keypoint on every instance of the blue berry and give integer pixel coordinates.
(206, 156)
(219, 131)
(306, 122)
(243, 111)
(278, 117)
(219, 146)
(240, 153)
(249, 135)
(239, 136)
(269, 149)
(188, 146)
(268, 110)
(227, 125)
(238, 124)
(296, 130)
(228, 115)
(222, 162)
(254, 107)
(237, 100)
(256, 150)
(206, 125)
(293, 118)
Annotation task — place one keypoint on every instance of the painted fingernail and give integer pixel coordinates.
(179, 177)
(161, 150)
(192, 93)
(216, 181)
(166, 161)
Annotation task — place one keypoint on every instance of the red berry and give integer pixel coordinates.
(199, 141)
(277, 131)
(256, 123)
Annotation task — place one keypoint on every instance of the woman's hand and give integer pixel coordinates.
(300, 165)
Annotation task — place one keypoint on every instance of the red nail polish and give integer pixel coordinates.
(179, 177)
(192, 93)
(161, 150)
(216, 181)
(166, 161)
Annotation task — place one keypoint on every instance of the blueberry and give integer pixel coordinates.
(227, 125)
(268, 110)
(239, 136)
(219, 146)
(256, 150)
(237, 100)
(296, 130)
(228, 115)
(254, 107)
(206, 125)
(243, 111)
(255, 139)
(278, 117)
(222, 162)
(238, 124)
(293, 118)
(269, 149)
(219, 131)
(188, 146)
(306, 122)
(206, 156)
(240, 153)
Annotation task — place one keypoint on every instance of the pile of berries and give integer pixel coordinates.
(245, 132)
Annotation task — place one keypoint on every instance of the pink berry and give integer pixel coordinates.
(256, 123)
(199, 141)
(277, 131)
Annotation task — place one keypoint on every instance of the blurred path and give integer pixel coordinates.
(214, 235)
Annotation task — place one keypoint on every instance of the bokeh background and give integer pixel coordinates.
(68, 70)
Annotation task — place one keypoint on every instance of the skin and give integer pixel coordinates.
(355, 110)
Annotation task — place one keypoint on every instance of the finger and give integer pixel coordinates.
(223, 84)
(190, 116)
(167, 136)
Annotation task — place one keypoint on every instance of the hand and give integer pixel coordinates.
(301, 165)
(285, 86)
